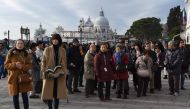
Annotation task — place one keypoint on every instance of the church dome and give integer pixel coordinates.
(101, 20)
(89, 23)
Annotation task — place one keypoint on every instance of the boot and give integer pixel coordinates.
(119, 96)
(124, 96)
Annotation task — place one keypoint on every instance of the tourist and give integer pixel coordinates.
(160, 53)
(149, 46)
(121, 75)
(173, 66)
(54, 88)
(89, 73)
(104, 71)
(143, 65)
(3, 53)
(18, 62)
(35, 71)
(74, 63)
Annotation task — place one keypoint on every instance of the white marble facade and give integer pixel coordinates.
(188, 22)
(93, 31)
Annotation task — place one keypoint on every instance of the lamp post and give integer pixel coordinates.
(80, 29)
(21, 32)
(115, 33)
(27, 33)
(8, 35)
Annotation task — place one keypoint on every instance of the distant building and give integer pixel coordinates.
(40, 34)
(97, 31)
(187, 34)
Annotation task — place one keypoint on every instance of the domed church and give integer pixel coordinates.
(97, 31)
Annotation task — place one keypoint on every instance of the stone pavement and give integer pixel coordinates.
(158, 100)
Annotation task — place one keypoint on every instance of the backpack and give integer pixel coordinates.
(121, 67)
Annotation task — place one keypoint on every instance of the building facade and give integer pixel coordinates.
(97, 31)
(187, 36)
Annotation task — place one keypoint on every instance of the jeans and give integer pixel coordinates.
(24, 99)
(2, 70)
(73, 74)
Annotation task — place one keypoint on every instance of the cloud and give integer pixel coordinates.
(12, 4)
(51, 13)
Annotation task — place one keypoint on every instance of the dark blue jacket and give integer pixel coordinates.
(173, 61)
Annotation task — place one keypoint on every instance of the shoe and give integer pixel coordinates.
(108, 99)
(171, 93)
(144, 94)
(102, 99)
(87, 96)
(138, 95)
(151, 90)
(114, 87)
(81, 85)
(119, 96)
(93, 93)
(34, 96)
(182, 88)
(76, 90)
(165, 77)
(135, 87)
(117, 92)
(176, 94)
(4, 76)
(71, 92)
(125, 97)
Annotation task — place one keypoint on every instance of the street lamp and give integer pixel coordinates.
(80, 29)
(26, 32)
(115, 33)
(8, 35)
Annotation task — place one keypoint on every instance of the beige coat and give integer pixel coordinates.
(48, 84)
(89, 72)
(10, 64)
(140, 65)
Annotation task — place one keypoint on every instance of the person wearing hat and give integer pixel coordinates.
(54, 88)
(74, 63)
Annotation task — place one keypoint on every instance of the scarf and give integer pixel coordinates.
(56, 56)
(118, 57)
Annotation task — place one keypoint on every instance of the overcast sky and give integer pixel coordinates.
(67, 13)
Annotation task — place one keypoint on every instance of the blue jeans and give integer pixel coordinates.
(2, 70)
(24, 99)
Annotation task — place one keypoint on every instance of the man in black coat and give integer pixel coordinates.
(74, 64)
(185, 61)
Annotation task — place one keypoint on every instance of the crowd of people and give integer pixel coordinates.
(95, 67)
